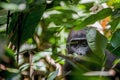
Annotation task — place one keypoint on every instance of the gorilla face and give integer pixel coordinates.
(79, 46)
(77, 43)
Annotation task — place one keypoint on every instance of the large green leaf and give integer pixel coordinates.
(97, 42)
(95, 17)
(12, 23)
(115, 41)
(28, 24)
(31, 22)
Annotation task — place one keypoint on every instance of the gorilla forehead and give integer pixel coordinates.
(76, 34)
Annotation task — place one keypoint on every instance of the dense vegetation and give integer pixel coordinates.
(33, 34)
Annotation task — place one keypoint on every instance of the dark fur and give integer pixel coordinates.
(68, 67)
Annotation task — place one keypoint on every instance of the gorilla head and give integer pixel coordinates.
(77, 43)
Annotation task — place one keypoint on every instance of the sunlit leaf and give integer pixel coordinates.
(9, 53)
(117, 61)
(98, 73)
(95, 17)
(9, 6)
(24, 67)
(13, 70)
(114, 3)
(40, 55)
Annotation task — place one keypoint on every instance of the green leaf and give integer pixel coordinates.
(53, 75)
(116, 51)
(12, 23)
(115, 3)
(97, 42)
(117, 61)
(3, 16)
(115, 20)
(113, 50)
(115, 24)
(115, 41)
(95, 17)
(29, 23)
(9, 6)
(9, 53)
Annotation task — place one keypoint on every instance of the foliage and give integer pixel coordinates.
(33, 35)
(97, 42)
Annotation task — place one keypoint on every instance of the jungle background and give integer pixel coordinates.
(33, 35)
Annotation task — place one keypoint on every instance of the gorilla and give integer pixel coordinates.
(85, 61)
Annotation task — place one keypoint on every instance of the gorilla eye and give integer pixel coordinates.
(74, 43)
(84, 43)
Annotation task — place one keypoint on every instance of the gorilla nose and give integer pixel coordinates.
(80, 54)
